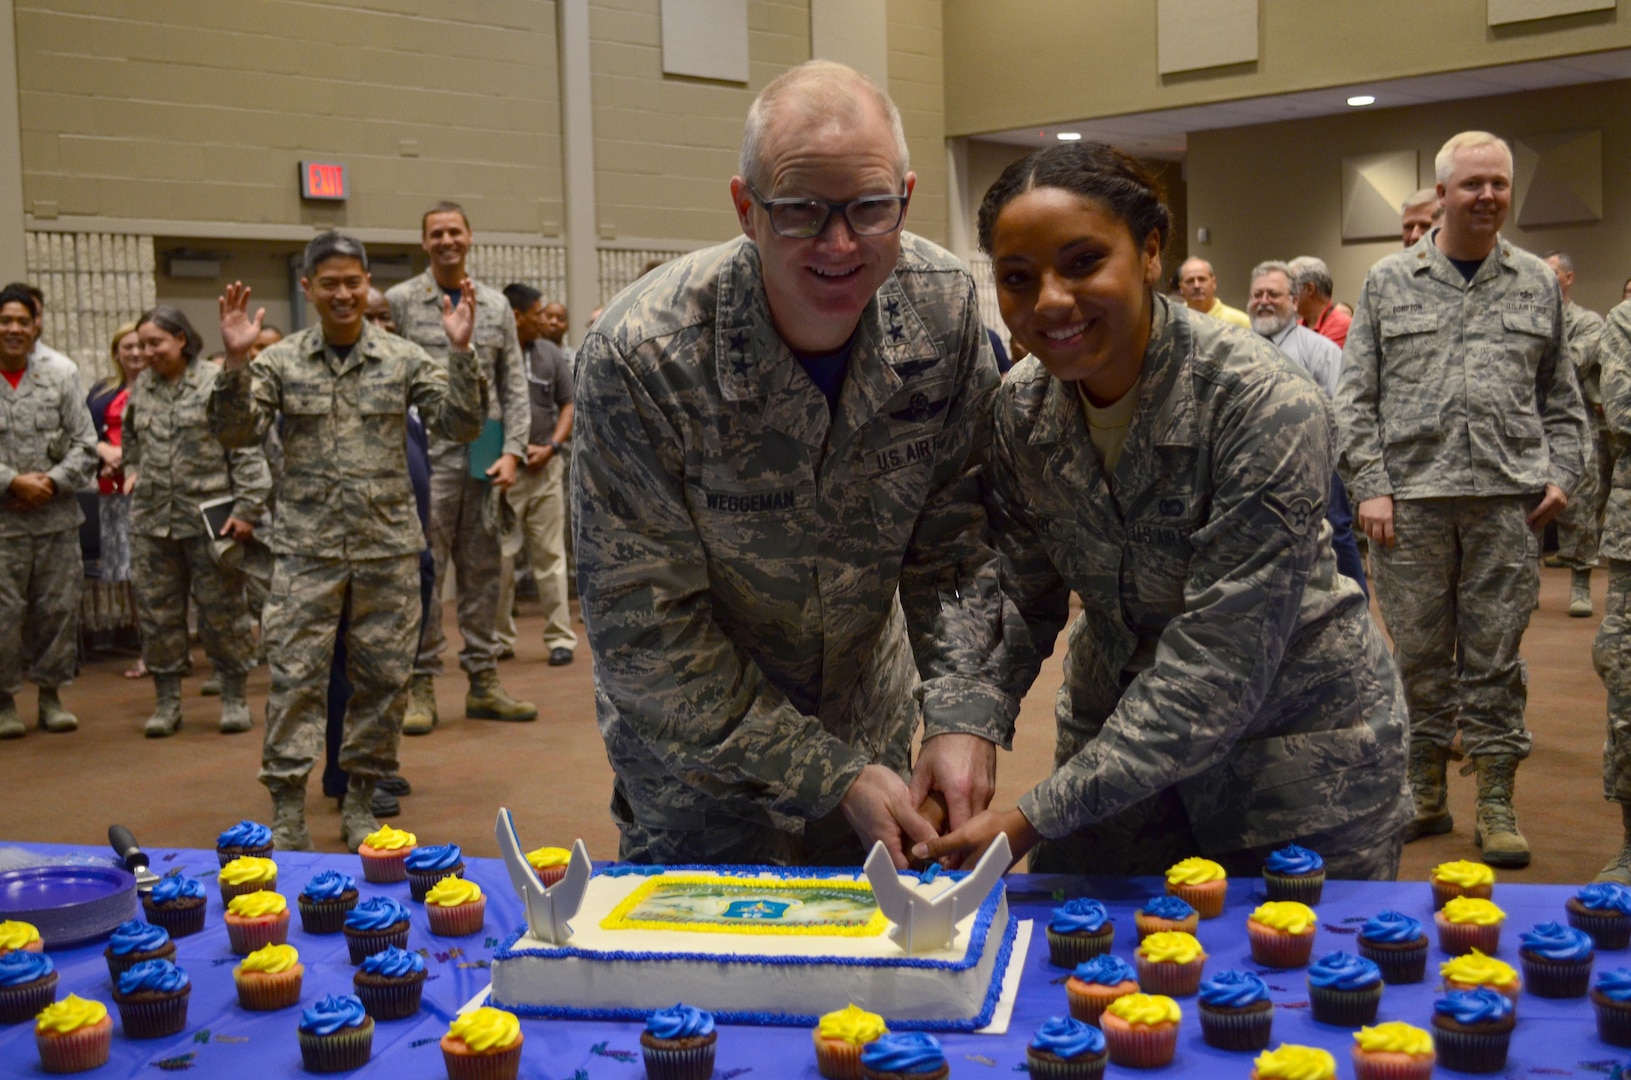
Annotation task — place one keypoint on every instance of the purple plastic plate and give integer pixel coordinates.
(69, 905)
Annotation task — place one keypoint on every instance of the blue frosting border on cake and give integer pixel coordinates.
(978, 937)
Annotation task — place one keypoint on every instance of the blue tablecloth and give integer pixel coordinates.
(1553, 1038)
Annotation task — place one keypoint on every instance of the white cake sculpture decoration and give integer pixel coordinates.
(922, 923)
(547, 909)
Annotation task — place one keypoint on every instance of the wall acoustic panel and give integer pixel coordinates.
(1373, 187)
(1195, 34)
(706, 39)
(1558, 178)
(1502, 12)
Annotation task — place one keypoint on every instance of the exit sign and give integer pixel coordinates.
(323, 180)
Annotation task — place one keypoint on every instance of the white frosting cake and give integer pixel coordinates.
(754, 945)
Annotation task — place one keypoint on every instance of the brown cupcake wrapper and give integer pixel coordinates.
(271, 993)
(1305, 889)
(1606, 932)
(837, 1059)
(179, 921)
(228, 891)
(680, 1063)
(1057, 1068)
(346, 1049)
(77, 1051)
(1399, 966)
(1344, 1008)
(1068, 950)
(226, 855)
(1173, 980)
(245, 938)
(503, 1065)
(1149, 924)
(118, 965)
(1370, 1067)
(1471, 1051)
(421, 882)
(1208, 903)
(324, 916)
(19, 1004)
(155, 1018)
(1554, 978)
(1140, 1047)
(1613, 1020)
(1276, 950)
(364, 944)
(460, 920)
(1237, 1030)
(1459, 939)
(397, 1001)
(1444, 892)
(385, 868)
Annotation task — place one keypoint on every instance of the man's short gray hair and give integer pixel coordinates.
(1275, 266)
(1422, 198)
(1564, 263)
(1444, 162)
(1310, 270)
(332, 245)
(821, 87)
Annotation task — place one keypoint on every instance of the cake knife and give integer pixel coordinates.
(132, 857)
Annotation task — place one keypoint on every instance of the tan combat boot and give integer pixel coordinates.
(11, 725)
(53, 717)
(1618, 868)
(489, 701)
(289, 816)
(166, 718)
(421, 718)
(1430, 788)
(1497, 833)
(1580, 595)
(357, 821)
(234, 707)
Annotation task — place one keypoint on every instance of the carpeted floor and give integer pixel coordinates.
(553, 774)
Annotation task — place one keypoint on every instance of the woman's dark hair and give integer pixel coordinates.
(172, 320)
(1093, 170)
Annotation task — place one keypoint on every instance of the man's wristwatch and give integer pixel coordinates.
(554, 446)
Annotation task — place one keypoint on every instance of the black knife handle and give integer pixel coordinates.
(124, 844)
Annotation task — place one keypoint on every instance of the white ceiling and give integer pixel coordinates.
(1163, 134)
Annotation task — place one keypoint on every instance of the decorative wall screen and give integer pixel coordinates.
(544, 268)
(92, 282)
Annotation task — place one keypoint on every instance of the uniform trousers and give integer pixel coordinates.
(1611, 654)
(41, 578)
(1580, 526)
(456, 532)
(539, 500)
(164, 571)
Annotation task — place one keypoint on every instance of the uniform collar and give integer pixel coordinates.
(31, 373)
(367, 347)
(1432, 261)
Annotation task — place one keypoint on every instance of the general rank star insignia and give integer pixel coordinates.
(1298, 514)
(920, 409)
(739, 362)
(895, 332)
(893, 308)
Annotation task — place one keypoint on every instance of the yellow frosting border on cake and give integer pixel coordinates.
(618, 918)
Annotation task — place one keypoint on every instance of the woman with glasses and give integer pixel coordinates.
(1226, 692)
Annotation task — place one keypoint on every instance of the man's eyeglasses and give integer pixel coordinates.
(802, 219)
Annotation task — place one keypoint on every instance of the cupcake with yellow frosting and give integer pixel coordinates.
(1201, 883)
(73, 1035)
(269, 978)
(1392, 1051)
(1461, 878)
(1290, 1062)
(1475, 969)
(839, 1037)
(455, 907)
(1141, 1030)
(18, 936)
(247, 874)
(1170, 963)
(384, 855)
(1465, 924)
(550, 863)
(483, 1044)
(1282, 933)
(255, 920)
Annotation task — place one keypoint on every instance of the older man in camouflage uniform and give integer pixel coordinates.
(1612, 651)
(1462, 431)
(776, 516)
(347, 536)
(1582, 520)
(47, 452)
(462, 526)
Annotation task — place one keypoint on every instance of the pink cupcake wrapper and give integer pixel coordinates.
(1141, 1047)
(1444, 892)
(228, 891)
(1275, 950)
(1459, 939)
(503, 1065)
(1173, 980)
(385, 868)
(245, 938)
(268, 995)
(460, 920)
(1208, 903)
(1367, 1067)
(77, 1051)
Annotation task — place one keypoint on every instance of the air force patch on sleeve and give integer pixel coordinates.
(1298, 514)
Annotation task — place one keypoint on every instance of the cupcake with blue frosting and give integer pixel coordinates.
(1344, 989)
(1094, 985)
(1236, 1013)
(1611, 998)
(1162, 913)
(1294, 873)
(1064, 1048)
(1472, 1030)
(152, 999)
(135, 941)
(903, 1055)
(325, 900)
(336, 1035)
(1556, 960)
(1603, 910)
(28, 983)
(431, 863)
(245, 838)
(390, 983)
(1397, 944)
(1079, 931)
(678, 1044)
(373, 925)
(177, 904)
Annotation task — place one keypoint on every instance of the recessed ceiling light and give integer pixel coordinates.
(1070, 136)
(1361, 99)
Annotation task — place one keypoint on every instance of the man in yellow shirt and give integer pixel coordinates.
(1199, 286)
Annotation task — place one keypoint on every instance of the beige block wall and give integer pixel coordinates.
(1016, 63)
(917, 85)
(1275, 191)
(201, 110)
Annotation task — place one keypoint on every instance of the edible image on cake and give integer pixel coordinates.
(727, 905)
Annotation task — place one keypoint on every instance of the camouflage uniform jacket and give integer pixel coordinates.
(416, 308)
(757, 573)
(345, 492)
(45, 428)
(179, 463)
(1581, 329)
(1614, 355)
(1218, 649)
